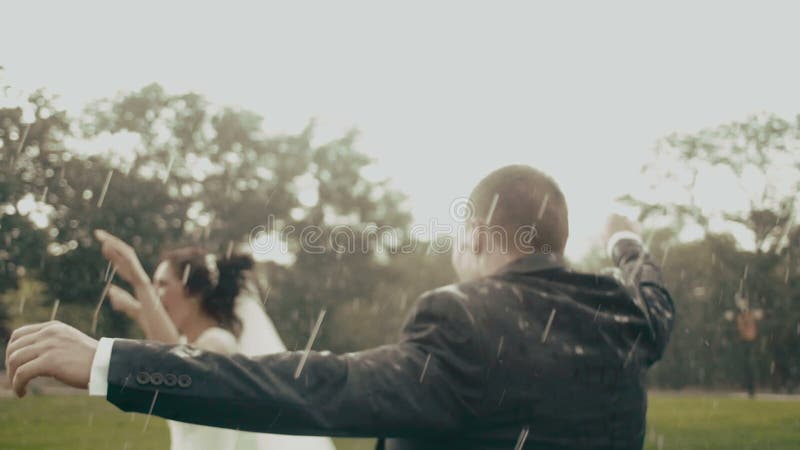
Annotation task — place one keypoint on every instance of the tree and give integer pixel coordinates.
(760, 155)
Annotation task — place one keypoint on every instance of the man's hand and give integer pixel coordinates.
(49, 349)
(617, 222)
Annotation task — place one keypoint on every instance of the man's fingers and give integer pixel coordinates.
(24, 354)
(34, 368)
(28, 335)
(20, 343)
(26, 330)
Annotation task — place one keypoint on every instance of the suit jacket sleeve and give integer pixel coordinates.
(428, 382)
(652, 297)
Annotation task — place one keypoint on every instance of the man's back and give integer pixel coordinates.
(564, 354)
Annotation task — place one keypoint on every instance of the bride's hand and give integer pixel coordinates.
(123, 257)
(124, 302)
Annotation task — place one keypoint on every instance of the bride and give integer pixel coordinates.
(199, 299)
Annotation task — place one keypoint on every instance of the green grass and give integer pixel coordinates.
(714, 422)
(679, 422)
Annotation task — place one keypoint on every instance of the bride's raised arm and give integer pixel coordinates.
(146, 308)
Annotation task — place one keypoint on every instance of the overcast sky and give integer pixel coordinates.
(443, 93)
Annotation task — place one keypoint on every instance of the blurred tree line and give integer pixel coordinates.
(714, 278)
(182, 171)
(195, 174)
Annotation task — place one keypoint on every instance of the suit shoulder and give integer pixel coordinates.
(450, 299)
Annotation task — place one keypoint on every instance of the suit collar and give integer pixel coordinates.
(533, 263)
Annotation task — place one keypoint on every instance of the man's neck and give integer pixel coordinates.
(492, 262)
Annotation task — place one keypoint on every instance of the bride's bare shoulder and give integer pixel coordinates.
(216, 339)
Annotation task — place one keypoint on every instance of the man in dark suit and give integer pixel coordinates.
(522, 352)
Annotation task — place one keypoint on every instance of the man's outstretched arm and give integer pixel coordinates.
(427, 382)
(627, 251)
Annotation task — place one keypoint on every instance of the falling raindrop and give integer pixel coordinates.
(523, 435)
(597, 311)
(96, 315)
(22, 140)
(664, 258)
(632, 350)
(186, 271)
(108, 271)
(491, 209)
(500, 347)
(309, 344)
(169, 168)
(266, 296)
(270, 198)
(517, 293)
(150, 412)
(55, 310)
(425, 368)
(547, 327)
(543, 207)
(105, 189)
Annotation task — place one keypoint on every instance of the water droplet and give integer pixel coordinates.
(547, 327)
(105, 189)
(309, 344)
(425, 368)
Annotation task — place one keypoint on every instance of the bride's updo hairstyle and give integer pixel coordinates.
(215, 280)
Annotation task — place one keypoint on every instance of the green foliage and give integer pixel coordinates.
(190, 173)
(705, 276)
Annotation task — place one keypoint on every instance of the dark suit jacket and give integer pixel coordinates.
(537, 351)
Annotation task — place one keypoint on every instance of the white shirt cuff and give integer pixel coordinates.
(616, 237)
(98, 377)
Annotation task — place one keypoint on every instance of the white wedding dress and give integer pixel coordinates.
(258, 337)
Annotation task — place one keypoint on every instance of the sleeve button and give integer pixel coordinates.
(184, 381)
(143, 378)
(170, 379)
(156, 378)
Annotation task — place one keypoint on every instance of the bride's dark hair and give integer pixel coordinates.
(215, 280)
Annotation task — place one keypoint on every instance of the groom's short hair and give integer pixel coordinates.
(525, 196)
